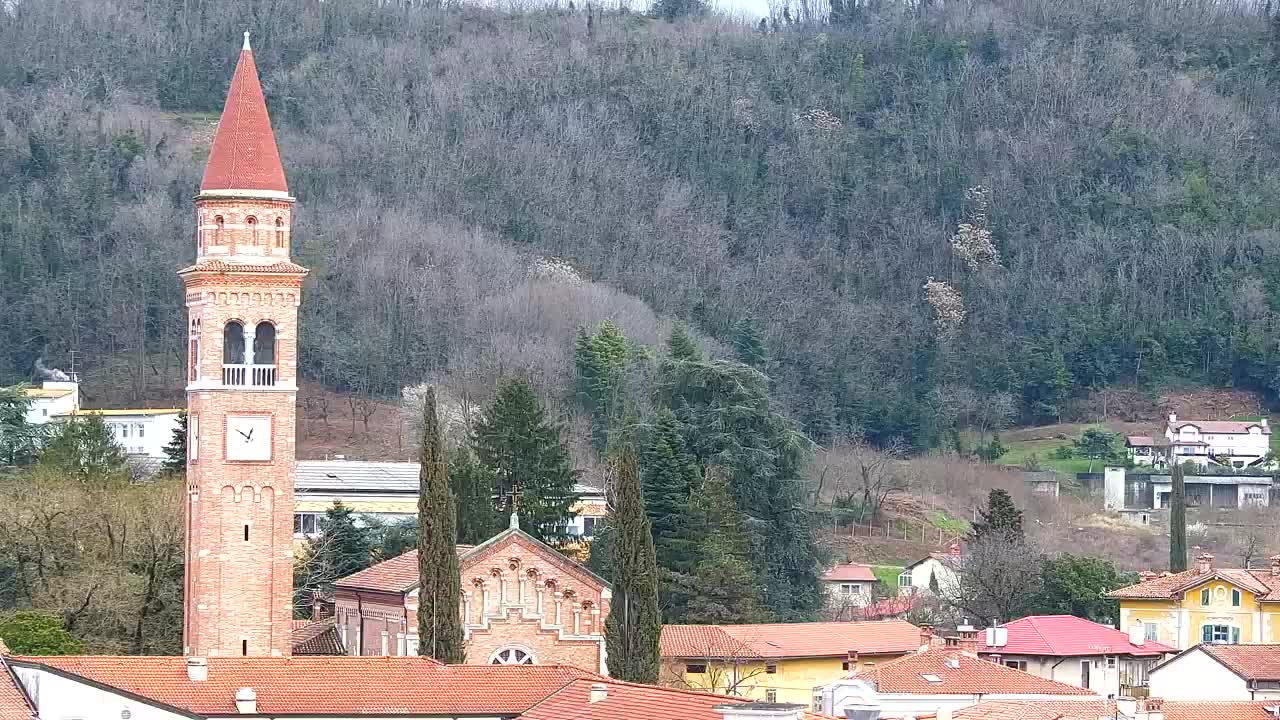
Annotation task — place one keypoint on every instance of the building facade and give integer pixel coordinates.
(1234, 444)
(242, 298)
(1220, 672)
(141, 433)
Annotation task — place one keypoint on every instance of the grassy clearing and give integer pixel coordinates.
(1019, 452)
(887, 574)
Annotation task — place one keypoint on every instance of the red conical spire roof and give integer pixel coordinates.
(244, 154)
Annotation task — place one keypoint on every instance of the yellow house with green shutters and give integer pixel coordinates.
(779, 662)
(1205, 605)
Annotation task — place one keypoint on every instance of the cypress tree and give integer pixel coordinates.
(528, 458)
(472, 485)
(439, 583)
(1178, 522)
(634, 624)
(668, 476)
(680, 344)
(1000, 516)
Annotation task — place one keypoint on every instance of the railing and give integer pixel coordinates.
(252, 375)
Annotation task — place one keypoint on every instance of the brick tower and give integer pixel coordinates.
(242, 301)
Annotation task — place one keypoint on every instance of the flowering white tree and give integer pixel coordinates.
(947, 305)
(972, 242)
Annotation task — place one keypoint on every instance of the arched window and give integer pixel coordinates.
(512, 656)
(264, 344)
(233, 343)
(279, 232)
(218, 227)
(251, 223)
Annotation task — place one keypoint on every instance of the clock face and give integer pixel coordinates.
(248, 437)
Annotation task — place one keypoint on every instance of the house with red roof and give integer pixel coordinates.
(522, 603)
(848, 585)
(937, 681)
(1078, 652)
(343, 688)
(778, 662)
(1220, 672)
(1207, 443)
(1118, 709)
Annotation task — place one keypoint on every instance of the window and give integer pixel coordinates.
(1235, 598)
(771, 695)
(844, 665)
(279, 233)
(124, 430)
(1204, 596)
(931, 678)
(217, 232)
(194, 371)
(695, 669)
(1220, 634)
(511, 656)
(771, 669)
(264, 344)
(1152, 631)
(251, 222)
(233, 343)
(848, 588)
(588, 527)
(904, 580)
(1016, 664)
(246, 533)
(1111, 663)
(306, 523)
(244, 647)
(141, 429)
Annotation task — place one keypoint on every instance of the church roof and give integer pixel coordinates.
(244, 155)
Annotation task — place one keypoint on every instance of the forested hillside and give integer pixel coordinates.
(952, 213)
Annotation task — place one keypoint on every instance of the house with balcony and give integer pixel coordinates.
(1228, 606)
(1233, 444)
(1076, 651)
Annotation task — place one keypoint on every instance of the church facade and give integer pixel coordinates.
(242, 297)
(523, 603)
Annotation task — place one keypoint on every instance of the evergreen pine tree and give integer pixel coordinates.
(175, 453)
(473, 490)
(1178, 521)
(340, 549)
(439, 584)
(634, 623)
(668, 477)
(601, 361)
(681, 345)
(722, 588)
(530, 462)
(748, 346)
(20, 440)
(85, 449)
(1000, 516)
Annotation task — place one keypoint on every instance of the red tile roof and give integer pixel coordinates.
(13, 703)
(397, 575)
(1067, 636)
(783, 640)
(1094, 709)
(316, 638)
(1251, 662)
(850, 572)
(1259, 582)
(971, 676)
(629, 701)
(1221, 426)
(244, 154)
(215, 265)
(1138, 440)
(330, 685)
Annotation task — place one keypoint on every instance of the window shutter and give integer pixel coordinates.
(1204, 596)
(1206, 633)
(1235, 636)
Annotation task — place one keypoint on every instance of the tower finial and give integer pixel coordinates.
(246, 41)
(515, 521)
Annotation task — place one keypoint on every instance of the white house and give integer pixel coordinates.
(142, 433)
(1228, 443)
(848, 585)
(931, 572)
(51, 399)
(932, 683)
(1220, 672)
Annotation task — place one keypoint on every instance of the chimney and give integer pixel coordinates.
(1204, 563)
(1173, 418)
(1275, 565)
(197, 669)
(968, 638)
(1146, 575)
(926, 636)
(760, 711)
(994, 657)
(1149, 709)
(1264, 423)
(599, 691)
(1137, 634)
(246, 701)
(317, 606)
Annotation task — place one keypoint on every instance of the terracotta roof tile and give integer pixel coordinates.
(397, 575)
(1221, 426)
(1067, 636)
(244, 154)
(216, 265)
(339, 685)
(1262, 583)
(317, 638)
(13, 704)
(1251, 662)
(1094, 709)
(780, 640)
(850, 572)
(631, 702)
(973, 675)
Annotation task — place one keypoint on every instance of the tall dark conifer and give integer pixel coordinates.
(1000, 516)
(472, 485)
(439, 585)
(634, 624)
(1178, 521)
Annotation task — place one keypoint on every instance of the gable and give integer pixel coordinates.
(499, 551)
(1220, 591)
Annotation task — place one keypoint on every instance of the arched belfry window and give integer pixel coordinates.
(264, 344)
(233, 343)
(218, 225)
(279, 232)
(251, 223)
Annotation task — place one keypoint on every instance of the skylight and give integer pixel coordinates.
(931, 678)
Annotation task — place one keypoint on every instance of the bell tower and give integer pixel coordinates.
(242, 298)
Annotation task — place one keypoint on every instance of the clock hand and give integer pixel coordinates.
(241, 433)
(249, 437)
